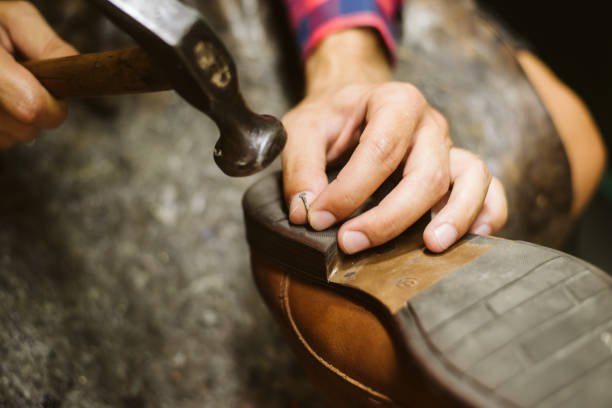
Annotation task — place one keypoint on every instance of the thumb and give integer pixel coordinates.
(304, 161)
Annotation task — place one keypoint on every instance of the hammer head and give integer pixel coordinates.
(202, 71)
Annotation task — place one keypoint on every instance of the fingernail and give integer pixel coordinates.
(354, 241)
(484, 229)
(321, 220)
(301, 200)
(446, 235)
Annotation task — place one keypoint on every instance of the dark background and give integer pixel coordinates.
(575, 39)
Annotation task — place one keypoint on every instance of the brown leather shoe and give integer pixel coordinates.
(489, 323)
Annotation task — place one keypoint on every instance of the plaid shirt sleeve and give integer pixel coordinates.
(313, 20)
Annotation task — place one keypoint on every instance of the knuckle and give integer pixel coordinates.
(54, 46)
(386, 228)
(30, 108)
(439, 180)
(349, 201)
(383, 151)
(409, 89)
(440, 121)
(403, 92)
(386, 89)
(413, 94)
(377, 227)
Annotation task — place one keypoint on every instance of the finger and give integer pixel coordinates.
(470, 179)
(30, 33)
(393, 113)
(329, 136)
(25, 99)
(5, 40)
(426, 180)
(304, 163)
(15, 130)
(494, 213)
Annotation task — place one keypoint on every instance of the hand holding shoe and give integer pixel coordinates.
(351, 104)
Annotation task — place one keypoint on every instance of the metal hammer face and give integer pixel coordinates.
(202, 71)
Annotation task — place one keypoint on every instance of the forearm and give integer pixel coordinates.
(344, 41)
(352, 56)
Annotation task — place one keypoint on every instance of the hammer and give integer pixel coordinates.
(179, 51)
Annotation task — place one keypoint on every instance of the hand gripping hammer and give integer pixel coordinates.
(179, 51)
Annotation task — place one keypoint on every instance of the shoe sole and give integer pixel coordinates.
(493, 322)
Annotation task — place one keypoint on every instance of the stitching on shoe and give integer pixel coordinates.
(287, 309)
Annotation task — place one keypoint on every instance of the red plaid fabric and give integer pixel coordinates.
(315, 19)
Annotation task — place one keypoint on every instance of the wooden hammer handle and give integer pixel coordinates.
(107, 73)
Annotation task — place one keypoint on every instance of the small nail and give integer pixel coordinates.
(484, 229)
(354, 241)
(321, 220)
(446, 235)
(301, 200)
(306, 199)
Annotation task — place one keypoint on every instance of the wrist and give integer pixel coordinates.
(352, 56)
